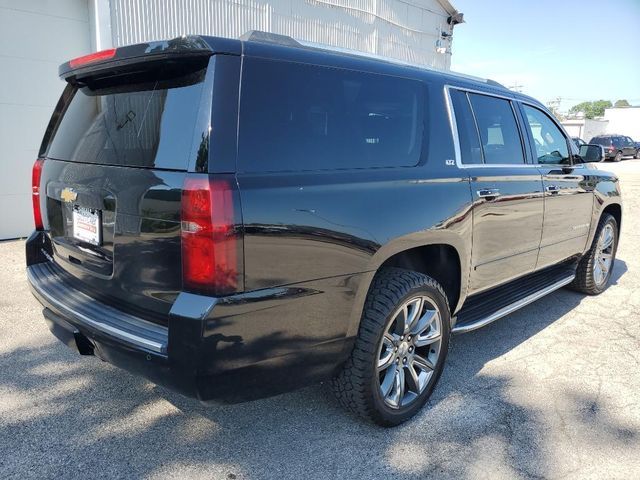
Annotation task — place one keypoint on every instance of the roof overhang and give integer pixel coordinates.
(450, 9)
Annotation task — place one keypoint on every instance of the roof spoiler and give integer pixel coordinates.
(122, 57)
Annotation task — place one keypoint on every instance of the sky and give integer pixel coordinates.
(576, 50)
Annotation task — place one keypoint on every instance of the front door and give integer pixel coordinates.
(630, 146)
(568, 190)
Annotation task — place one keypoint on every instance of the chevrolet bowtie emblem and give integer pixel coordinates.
(68, 195)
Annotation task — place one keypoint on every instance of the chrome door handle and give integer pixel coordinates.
(552, 188)
(489, 193)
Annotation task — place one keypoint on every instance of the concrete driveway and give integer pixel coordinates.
(552, 391)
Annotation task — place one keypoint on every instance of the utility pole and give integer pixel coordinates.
(515, 87)
(554, 106)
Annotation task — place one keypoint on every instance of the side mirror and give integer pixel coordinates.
(592, 153)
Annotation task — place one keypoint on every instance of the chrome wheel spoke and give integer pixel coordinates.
(413, 308)
(386, 361)
(607, 237)
(603, 266)
(424, 322)
(429, 331)
(413, 379)
(397, 393)
(423, 363)
(387, 382)
(597, 273)
(387, 352)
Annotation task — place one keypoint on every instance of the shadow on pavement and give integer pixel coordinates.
(69, 416)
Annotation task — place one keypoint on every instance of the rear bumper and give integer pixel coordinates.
(228, 349)
(96, 317)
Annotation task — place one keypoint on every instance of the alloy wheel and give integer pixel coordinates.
(409, 351)
(604, 255)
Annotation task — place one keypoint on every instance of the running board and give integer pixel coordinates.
(466, 321)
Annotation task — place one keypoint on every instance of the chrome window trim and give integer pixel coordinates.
(456, 140)
(454, 130)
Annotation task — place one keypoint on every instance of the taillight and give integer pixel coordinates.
(210, 244)
(93, 57)
(36, 173)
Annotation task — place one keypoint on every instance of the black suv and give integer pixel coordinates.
(617, 146)
(238, 218)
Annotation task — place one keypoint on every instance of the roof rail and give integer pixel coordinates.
(266, 37)
(396, 61)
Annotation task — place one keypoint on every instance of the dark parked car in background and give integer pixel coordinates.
(617, 146)
(239, 218)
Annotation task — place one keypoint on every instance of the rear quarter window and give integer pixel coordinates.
(296, 117)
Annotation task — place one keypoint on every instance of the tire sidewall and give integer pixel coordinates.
(388, 415)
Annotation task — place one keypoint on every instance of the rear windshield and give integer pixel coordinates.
(146, 125)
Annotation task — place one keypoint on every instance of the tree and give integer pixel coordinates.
(591, 109)
(621, 103)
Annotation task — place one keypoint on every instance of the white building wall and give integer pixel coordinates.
(585, 128)
(403, 29)
(624, 121)
(36, 36)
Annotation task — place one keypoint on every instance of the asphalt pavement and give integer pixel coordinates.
(551, 391)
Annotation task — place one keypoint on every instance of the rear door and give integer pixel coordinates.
(568, 190)
(506, 190)
(117, 152)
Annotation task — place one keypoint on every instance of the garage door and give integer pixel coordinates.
(36, 36)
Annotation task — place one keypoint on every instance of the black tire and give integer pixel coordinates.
(357, 386)
(637, 155)
(618, 157)
(585, 281)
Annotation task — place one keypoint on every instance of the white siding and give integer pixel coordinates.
(402, 29)
(624, 121)
(36, 36)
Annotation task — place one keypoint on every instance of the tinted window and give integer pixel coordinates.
(470, 151)
(146, 125)
(550, 144)
(300, 117)
(498, 130)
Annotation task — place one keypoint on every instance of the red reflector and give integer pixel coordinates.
(36, 173)
(209, 240)
(93, 57)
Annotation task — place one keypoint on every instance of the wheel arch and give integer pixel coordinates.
(439, 261)
(614, 209)
(434, 259)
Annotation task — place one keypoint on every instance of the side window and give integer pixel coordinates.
(470, 151)
(499, 135)
(296, 117)
(550, 143)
